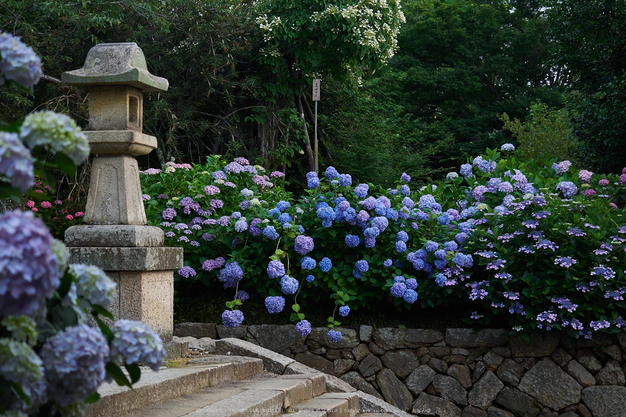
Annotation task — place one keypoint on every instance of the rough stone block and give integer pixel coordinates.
(550, 385)
(429, 405)
(114, 192)
(538, 345)
(450, 389)
(365, 333)
(520, 404)
(272, 361)
(485, 390)
(319, 338)
(113, 235)
(370, 365)
(316, 362)
(371, 404)
(467, 338)
(120, 142)
(580, 374)
(276, 338)
(401, 362)
(394, 391)
(461, 373)
(420, 379)
(605, 401)
(358, 382)
(611, 374)
(145, 296)
(129, 259)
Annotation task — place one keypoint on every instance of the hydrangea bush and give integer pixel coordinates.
(499, 232)
(51, 361)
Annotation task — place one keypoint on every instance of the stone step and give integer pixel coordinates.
(332, 404)
(170, 383)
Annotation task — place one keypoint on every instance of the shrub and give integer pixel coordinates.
(363, 244)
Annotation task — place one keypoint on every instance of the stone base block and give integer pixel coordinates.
(120, 142)
(146, 296)
(114, 235)
(129, 259)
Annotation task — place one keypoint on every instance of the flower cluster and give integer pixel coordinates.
(18, 62)
(134, 341)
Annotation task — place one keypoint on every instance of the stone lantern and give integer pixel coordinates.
(115, 236)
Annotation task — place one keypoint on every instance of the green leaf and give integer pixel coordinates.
(118, 376)
(92, 398)
(295, 308)
(133, 371)
(65, 164)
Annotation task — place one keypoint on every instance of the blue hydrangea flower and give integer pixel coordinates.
(57, 132)
(387, 263)
(405, 177)
(274, 304)
(331, 173)
(219, 175)
(352, 241)
(444, 219)
(400, 246)
(135, 341)
(29, 269)
(426, 202)
(325, 264)
(361, 190)
(463, 260)
(450, 246)
(241, 295)
(370, 233)
(310, 278)
(466, 170)
(410, 296)
(313, 182)
(441, 280)
(74, 363)
(381, 223)
(232, 318)
(411, 283)
(288, 285)
(440, 263)
(94, 286)
(308, 263)
(405, 190)
(301, 229)
(16, 163)
(398, 289)
(303, 328)
(303, 244)
(370, 242)
(345, 180)
(568, 189)
(270, 233)
(285, 218)
(508, 147)
(18, 62)
(273, 212)
(362, 265)
(357, 274)
(344, 311)
(282, 205)
(275, 269)
(231, 274)
(402, 236)
(431, 246)
(334, 336)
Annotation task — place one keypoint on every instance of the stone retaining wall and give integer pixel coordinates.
(459, 372)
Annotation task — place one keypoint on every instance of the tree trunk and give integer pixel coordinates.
(319, 133)
(307, 148)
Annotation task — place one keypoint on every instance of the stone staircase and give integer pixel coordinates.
(229, 384)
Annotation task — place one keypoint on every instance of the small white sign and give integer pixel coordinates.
(316, 89)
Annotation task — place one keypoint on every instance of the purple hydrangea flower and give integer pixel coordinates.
(16, 163)
(431, 246)
(219, 175)
(241, 225)
(303, 244)
(74, 362)
(18, 62)
(211, 264)
(231, 274)
(168, 214)
(411, 283)
(289, 285)
(568, 189)
(232, 318)
(20, 364)
(254, 229)
(405, 190)
(303, 328)
(29, 269)
(402, 236)
(345, 180)
(426, 202)
(275, 269)
(466, 170)
(186, 272)
(400, 246)
(387, 263)
(344, 311)
(334, 336)
(331, 173)
(405, 177)
(135, 341)
(274, 304)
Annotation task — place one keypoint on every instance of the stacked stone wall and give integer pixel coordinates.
(459, 372)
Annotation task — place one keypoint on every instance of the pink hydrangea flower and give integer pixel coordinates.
(46, 204)
(590, 192)
(58, 202)
(30, 204)
(585, 176)
(603, 182)
(69, 217)
(79, 214)
(622, 179)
